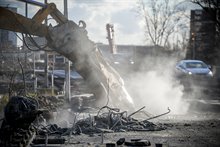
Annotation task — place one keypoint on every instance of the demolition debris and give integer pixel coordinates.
(24, 119)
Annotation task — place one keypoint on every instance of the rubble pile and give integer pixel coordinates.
(109, 121)
(31, 123)
(114, 121)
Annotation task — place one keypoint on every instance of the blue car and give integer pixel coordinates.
(60, 74)
(193, 67)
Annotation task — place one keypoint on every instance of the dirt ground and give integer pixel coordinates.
(198, 130)
(195, 129)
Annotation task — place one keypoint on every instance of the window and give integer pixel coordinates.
(196, 65)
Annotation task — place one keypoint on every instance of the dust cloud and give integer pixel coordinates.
(155, 86)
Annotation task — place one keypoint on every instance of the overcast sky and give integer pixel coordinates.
(97, 13)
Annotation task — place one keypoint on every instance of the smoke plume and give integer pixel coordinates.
(154, 85)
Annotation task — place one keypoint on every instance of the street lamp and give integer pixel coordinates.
(194, 45)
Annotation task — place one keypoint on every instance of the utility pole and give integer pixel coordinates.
(46, 59)
(67, 63)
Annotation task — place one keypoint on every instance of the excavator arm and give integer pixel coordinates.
(15, 22)
(18, 23)
(71, 41)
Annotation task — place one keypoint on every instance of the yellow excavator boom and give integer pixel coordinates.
(71, 41)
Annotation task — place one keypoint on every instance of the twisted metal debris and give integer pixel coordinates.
(105, 120)
(110, 120)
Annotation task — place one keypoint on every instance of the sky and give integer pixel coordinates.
(128, 25)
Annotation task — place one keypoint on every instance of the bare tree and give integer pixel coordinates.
(162, 19)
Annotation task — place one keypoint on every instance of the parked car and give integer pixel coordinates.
(193, 67)
(60, 74)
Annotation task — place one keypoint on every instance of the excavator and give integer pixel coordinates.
(70, 40)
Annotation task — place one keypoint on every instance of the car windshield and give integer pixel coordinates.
(195, 65)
